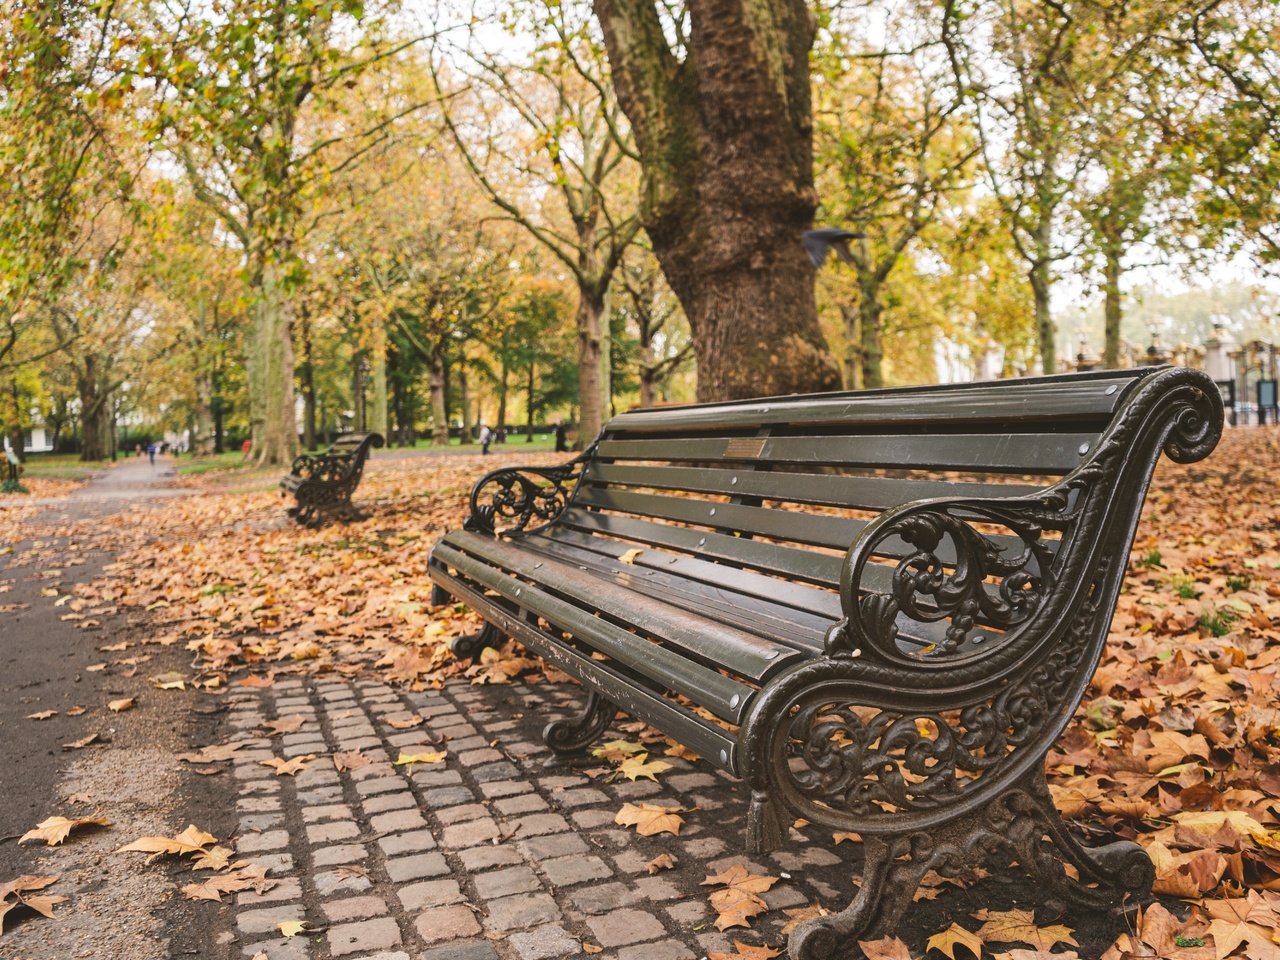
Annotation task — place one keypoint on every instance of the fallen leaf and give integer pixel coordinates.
(42, 715)
(254, 680)
(291, 928)
(288, 768)
(744, 951)
(649, 819)
(635, 767)
(120, 706)
(214, 753)
(81, 743)
(798, 915)
(171, 680)
(283, 725)
(952, 937)
(740, 899)
(1019, 926)
(55, 829)
(592, 948)
(432, 756)
(350, 760)
(629, 558)
(76, 711)
(618, 750)
(663, 861)
(217, 858)
(192, 840)
(404, 721)
(888, 948)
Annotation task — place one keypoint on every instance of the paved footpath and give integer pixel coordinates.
(489, 854)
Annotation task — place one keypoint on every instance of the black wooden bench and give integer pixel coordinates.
(323, 483)
(880, 608)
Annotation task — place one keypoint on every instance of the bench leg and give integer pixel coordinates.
(570, 737)
(440, 596)
(1020, 824)
(470, 647)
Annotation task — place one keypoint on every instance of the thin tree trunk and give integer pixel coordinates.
(276, 441)
(87, 383)
(464, 392)
(852, 318)
(13, 425)
(308, 386)
(1113, 308)
(378, 374)
(503, 358)
(590, 356)
(204, 428)
(358, 392)
(528, 432)
(872, 345)
(439, 412)
(1046, 332)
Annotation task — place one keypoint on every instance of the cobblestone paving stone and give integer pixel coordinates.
(489, 855)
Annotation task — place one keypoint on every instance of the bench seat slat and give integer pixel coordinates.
(1039, 453)
(708, 741)
(757, 615)
(864, 493)
(1081, 398)
(795, 564)
(743, 653)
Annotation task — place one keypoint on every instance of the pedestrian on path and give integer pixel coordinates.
(151, 452)
(562, 440)
(486, 438)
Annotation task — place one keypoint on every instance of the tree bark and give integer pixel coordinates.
(871, 344)
(439, 410)
(528, 413)
(726, 148)
(378, 375)
(308, 385)
(464, 392)
(590, 356)
(204, 428)
(275, 440)
(1113, 310)
(1046, 331)
(91, 402)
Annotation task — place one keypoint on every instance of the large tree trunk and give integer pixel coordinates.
(308, 379)
(275, 440)
(439, 410)
(91, 403)
(726, 150)
(464, 391)
(590, 357)
(1040, 274)
(1113, 309)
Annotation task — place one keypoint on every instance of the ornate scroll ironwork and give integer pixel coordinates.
(569, 737)
(324, 482)
(1020, 824)
(519, 496)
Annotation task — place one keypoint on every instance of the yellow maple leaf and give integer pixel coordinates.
(291, 928)
(635, 767)
(740, 899)
(288, 768)
(1019, 926)
(952, 937)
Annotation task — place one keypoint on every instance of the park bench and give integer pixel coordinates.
(323, 483)
(878, 608)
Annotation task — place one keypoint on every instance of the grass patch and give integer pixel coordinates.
(1219, 622)
(193, 466)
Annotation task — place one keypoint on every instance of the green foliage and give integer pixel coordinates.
(1219, 622)
(1184, 586)
(1152, 559)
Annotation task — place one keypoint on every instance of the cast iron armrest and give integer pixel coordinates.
(950, 571)
(523, 495)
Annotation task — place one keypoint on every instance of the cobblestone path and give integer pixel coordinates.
(489, 854)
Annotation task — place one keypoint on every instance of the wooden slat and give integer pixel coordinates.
(1043, 453)
(629, 693)
(1029, 400)
(859, 493)
(746, 654)
(774, 621)
(804, 565)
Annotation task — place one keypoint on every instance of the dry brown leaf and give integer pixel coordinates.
(81, 743)
(592, 948)
(192, 840)
(798, 915)
(42, 715)
(349, 760)
(55, 829)
(635, 767)
(119, 706)
(629, 558)
(291, 928)
(740, 899)
(614, 750)
(888, 948)
(253, 680)
(404, 721)
(649, 819)
(663, 861)
(283, 725)
(431, 756)
(76, 711)
(214, 753)
(288, 768)
(744, 951)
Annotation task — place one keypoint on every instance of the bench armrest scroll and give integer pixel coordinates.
(523, 499)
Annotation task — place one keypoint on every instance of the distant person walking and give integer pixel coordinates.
(562, 437)
(245, 448)
(151, 452)
(486, 438)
